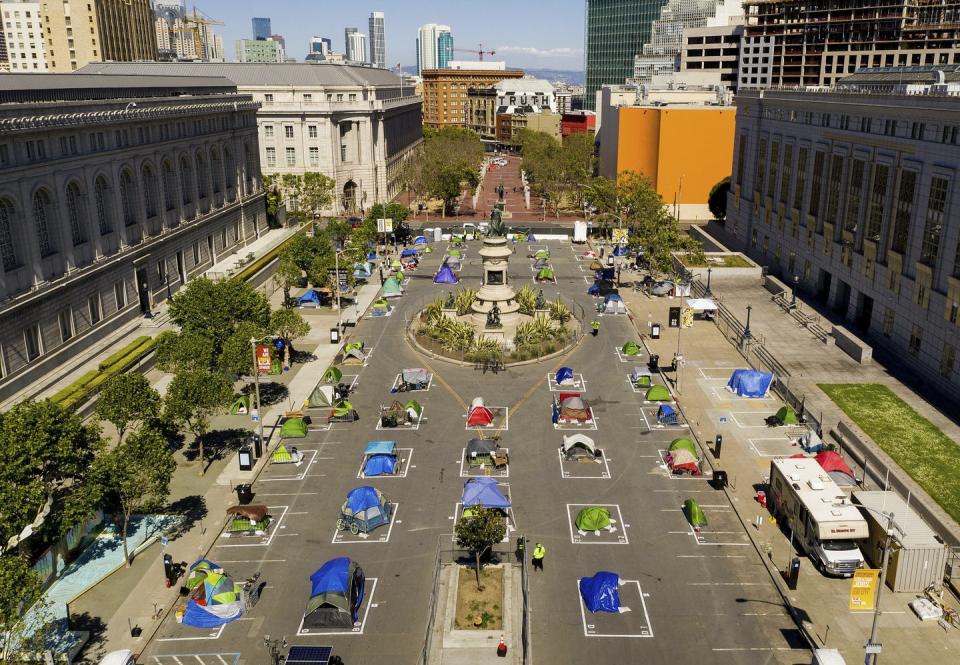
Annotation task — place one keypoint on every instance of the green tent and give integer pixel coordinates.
(391, 288)
(545, 275)
(293, 428)
(593, 518)
(455, 252)
(400, 276)
(381, 307)
(658, 393)
(684, 444)
(332, 375)
(413, 408)
(353, 345)
(786, 416)
(281, 455)
(542, 254)
(276, 363)
(241, 406)
(322, 396)
(427, 250)
(395, 264)
(694, 514)
(342, 409)
(631, 348)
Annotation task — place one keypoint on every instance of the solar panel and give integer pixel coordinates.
(309, 655)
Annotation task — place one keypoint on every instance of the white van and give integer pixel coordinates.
(122, 657)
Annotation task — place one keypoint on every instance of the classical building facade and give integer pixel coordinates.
(853, 194)
(114, 191)
(445, 93)
(354, 124)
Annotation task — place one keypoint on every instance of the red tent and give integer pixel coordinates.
(479, 416)
(833, 464)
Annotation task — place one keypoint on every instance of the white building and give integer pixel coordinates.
(21, 38)
(428, 46)
(321, 45)
(183, 36)
(756, 61)
(378, 40)
(526, 95)
(356, 45)
(478, 65)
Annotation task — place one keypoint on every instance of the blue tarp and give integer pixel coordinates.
(620, 250)
(593, 290)
(309, 296)
(749, 382)
(445, 276)
(372, 256)
(601, 593)
(665, 411)
(615, 297)
(564, 374)
(202, 617)
(420, 240)
(483, 492)
(361, 498)
(361, 270)
(607, 273)
(380, 448)
(380, 465)
(408, 252)
(331, 577)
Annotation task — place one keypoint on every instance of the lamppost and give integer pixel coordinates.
(747, 334)
(256, 382)
(708, 291)
(274, 647)
(872, 646)
(793, 291)
(336, 264)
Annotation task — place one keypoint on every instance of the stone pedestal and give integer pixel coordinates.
(496, 289)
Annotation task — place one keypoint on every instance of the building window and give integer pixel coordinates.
(933, 227)
(169, 187)
(948, 360)
(268, 131)
(786, 173)
(291, 156)
(878, 200)
(833, 188)
(7, 250)
(774, 160)
(66, 325)
(202, 177)
(314, 156)
(93, 306)
(801, 185)
(151, 195)
(75, 214)
(288, 131)
(854, 195)
(128, 198)
(216, 164)
(268, 99)
(41, 208)
(921, 294)
(120, 295)
(888, 319)
(916, 339)
(31, 339)
(271, 156)
(761, 166)
(312, 131)
(817, 185)
(904, 212)
(307, 98)
(196, 253)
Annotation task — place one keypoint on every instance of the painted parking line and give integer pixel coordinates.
(357, 627)
(644, 629)
(673, 476)
(616, 534)
(484, 470)
(403, 462)
(567, 468)
(622, 357)
(215, 635)
(222, 658)
(578, 384)
(576, 425)
(723, 395)
(748, 419)
(347, 538)
(264, 541)
(773, 447)
(716, 372)
(367, 352)
(300, 476)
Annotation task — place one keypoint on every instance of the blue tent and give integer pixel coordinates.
(564, 374)
(666, 415)
(601, 593)
(310, 296)
(420, 240)
(372, 256)
(483, 492)
(445, 276)
(607, 273)
(361, 498)
(593, 290)
(620, 250)
(361, 270)
(380, 465)
(336, 593)
(749, 382)
(380, 448)
(408, 252)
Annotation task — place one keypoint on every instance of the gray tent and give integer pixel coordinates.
(322, 396)
(578, 447)
(416, 376)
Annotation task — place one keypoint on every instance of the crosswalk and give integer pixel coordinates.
(196, 659)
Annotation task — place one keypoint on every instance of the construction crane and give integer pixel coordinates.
(480, 52)
(195, 23)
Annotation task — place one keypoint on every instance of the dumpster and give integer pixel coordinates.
(244, 493)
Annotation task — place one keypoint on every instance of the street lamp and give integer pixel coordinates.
(275, 647)
(872, 646)
(256, 382)
(793, 291)
(747, 334)
(708, 291)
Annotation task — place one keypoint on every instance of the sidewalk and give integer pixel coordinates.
(819, 603)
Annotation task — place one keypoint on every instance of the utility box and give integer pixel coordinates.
(674, 317)
(245, 459)
(918, 558)
(655, 331)
(334, 335)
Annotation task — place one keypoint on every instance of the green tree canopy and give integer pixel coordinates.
(479, 532)
(288, 325)
(556, 170)
(213, 309)
(447, 160)
(193, 398)
(126, 401)
(20, 588)
(236, 357)
(184, 350)
(717, 199)
(316, 192)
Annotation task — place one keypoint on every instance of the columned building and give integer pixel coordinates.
(354, 124)
(114, 191)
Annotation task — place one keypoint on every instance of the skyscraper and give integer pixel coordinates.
(615, 32)
(121, 30)
(321, 45)
(444, 49)
(355, 43)
(378, 42)
(261, 28)
(429, 46)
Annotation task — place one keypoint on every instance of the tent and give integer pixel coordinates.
(400, 276)
(606, 273)
(293, 428)
(396, 265)
(342, 411)
(833, 464)
(483, 492)
(593, 289)
(694, 514)
(283, 456)
(453, 262)
(392, 288)
(455, 253)
(663, 288)
(702, 304)
(241, 406)
(658, 393)
(353, 355)
(541, 263)
(321, 397)
(215, 599)
(613, 304)
(545, 275)
(364, 510)
(416, 378)
(601, 593)
(479, 415)
(682, 457)
(620, 250)
(641, 376)
(571, 407)
(353, 345)
(579, 448)
(785, 416)
(420, 240)
(480, 451)
(361, 270)
(445, 276)
(380, 307)
(593, 518)
(589, 254)
(380, 458)
(565, 377)
(336, 593)
(413, 409)
(408, 252)
(666, 415)
(311, 298)
(332, 375)
(631, 348)
(251, 519)
(541, 254)
(749, 382)
(596, 265)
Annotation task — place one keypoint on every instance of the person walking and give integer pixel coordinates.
(539, 551)
(595, 327)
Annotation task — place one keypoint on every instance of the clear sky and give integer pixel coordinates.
(531, 33)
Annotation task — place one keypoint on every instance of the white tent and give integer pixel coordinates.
(578, 440)
(701, 304)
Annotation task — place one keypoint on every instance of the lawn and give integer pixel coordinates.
(923, 451)
(719, 261)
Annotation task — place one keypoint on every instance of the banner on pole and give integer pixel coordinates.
(263, 358)
(863, 589)
(384, 225)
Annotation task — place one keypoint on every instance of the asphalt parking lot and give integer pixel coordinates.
(693, 597)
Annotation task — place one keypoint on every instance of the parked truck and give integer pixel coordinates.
(819, 515)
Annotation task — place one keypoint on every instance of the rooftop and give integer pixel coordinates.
(22, 88)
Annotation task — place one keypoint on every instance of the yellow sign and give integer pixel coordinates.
(863, 590)
(620, 235)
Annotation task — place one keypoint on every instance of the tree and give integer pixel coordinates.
(127, 400)
(136, 476)
(236, 357)
(193, 398)
(288, 325)
(316, 192)
(717, 200)
(185, 350)
(213, 309)
(479, 532)
(338, 231)
(445, 161)
(21, 588)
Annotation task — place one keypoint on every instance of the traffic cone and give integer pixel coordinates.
(502, 648)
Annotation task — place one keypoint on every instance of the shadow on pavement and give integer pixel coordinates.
(192, 508)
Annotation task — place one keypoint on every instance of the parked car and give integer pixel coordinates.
(122, 657)
(355, 222)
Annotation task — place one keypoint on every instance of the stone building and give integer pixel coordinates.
(114, 191)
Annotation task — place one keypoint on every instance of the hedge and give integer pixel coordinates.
(258, 265)
(81, 389)
(113, 359)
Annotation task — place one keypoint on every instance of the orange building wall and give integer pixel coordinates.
(668, 143)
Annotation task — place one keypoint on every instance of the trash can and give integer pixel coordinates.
(654, 363)
(245, 457)
(334, 335)
(719, 479)
(257, 445)
(655, 331)
(244, 493)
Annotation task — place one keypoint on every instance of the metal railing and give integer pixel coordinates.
(431, 608)
(525, 637)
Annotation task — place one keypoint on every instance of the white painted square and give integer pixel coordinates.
(649, 414)
(367, 352)
(603, 624)
(379, 535)
(397, 379)
(261, 541)
(717, 373)
(751, 419)
(309, 459)
(773, 446)
(662, 453)
(213, 635)
(501, 420)
(415, 425)
(635, 360)
(390, 310)
(723, 527)
(403, 461)
(576, 425)
(487, 471)
(616, 537)
(579, 384)
(358, 627)
(572, 470)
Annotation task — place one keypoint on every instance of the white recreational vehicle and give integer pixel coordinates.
(818, 513)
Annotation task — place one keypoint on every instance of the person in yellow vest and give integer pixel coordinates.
(595, 326)
(539, 551)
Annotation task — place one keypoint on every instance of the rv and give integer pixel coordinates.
(819, 515)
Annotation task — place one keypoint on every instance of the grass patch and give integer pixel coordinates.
(915, 444)
(479, 610)
(718, 261)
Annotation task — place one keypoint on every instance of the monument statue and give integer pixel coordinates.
(496, 225)
(450, 303)
(493, 317)
(541, 301)
(500, 191)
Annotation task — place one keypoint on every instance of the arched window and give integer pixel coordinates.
(169, 187)
(41, 217)
(101, 198)
(128, 198)
(7, 251)
(151, 194)
(186, 176)
(251, 167)
(76, 214)
(202, 177)
(230, 169)
(217, 166)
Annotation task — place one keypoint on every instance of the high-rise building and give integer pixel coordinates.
(21, 33)
(355, 43)
(321, 45)
(282, 45)
(616, 31)
(261, 28)
(817, 45)
(429, 47)
(258, 50)
(445, 93)
(120, 30)
(185, 36)
(378, 41)
(711, 51)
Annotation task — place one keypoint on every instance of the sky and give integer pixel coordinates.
(530, 34)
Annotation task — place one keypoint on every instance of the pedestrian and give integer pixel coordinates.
(539, 551)
(595, 326)
(521, 544)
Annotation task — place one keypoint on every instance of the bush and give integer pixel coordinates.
(109, 361)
